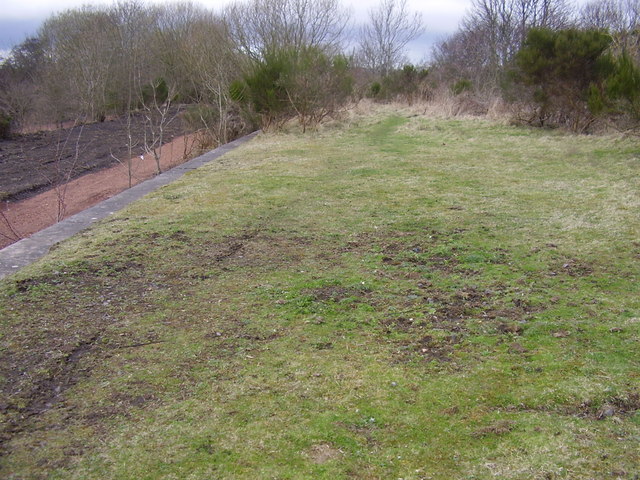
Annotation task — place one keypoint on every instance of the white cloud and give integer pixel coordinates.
(41, 9)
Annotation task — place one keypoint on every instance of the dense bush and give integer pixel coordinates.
(461, 86)
(305, 83)
(374, 90)
(200, 116)
(263, 89)
(404, 84)
(5, 126)
(574, 78)
(623, 88)
(155, 92)
(318, 86)
(567, 70)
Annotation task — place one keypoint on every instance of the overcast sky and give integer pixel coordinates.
(21, 18)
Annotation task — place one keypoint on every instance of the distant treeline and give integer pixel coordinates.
(259, 63)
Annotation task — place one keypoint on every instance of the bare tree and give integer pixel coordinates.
(383, 40)
(506, 22)
(80, 58)
(267, 25)
(132, 23)
(65, 166)
(173, 41)
(491, 34)
(18, 98)
(464, 55)
(156, 100)
(20, 76)
(614, 15)
(621, 18)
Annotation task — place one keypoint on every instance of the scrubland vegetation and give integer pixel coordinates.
(261, 62)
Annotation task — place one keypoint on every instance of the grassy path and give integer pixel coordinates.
(393, 297)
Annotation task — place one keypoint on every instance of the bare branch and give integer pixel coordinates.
(383, 40)
(262, 26)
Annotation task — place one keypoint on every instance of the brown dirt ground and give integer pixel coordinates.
(33, 162)
(19, 219)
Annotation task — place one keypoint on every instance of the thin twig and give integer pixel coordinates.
(12, 230)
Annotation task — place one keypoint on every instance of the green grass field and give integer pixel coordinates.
(391, 297)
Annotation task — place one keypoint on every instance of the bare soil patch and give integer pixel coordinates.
(19, 219)
(28, 206)
(51, 174)
(29, 163)
(323, 453)
(39, 369)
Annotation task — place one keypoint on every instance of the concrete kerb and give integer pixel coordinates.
(26, 251)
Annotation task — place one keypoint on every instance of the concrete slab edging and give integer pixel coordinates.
(26, 251)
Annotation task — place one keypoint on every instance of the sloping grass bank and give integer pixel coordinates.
(393, 297)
